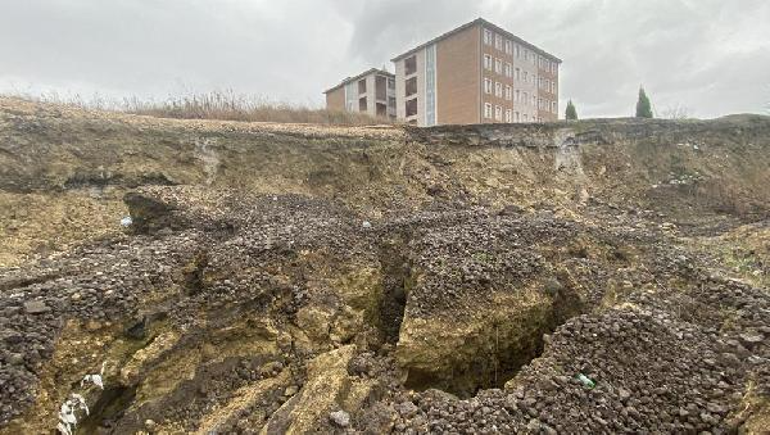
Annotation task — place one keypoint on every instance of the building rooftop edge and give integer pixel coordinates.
(478, 21)
(363, 74)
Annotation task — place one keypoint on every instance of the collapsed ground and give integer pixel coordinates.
(593, 277)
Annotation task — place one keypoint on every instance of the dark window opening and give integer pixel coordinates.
(411, 86)
(362, 105)
(380, 86)
(411, 107)
(382, 110)
(362, 86)
(410, 65)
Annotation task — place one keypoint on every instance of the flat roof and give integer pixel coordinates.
(360, 76)
(485, 23)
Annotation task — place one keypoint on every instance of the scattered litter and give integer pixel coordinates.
(367, 224)
(126, 222)
(67, 418)
(586, 381)
(95, 379)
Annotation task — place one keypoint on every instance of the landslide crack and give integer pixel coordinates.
(396, 272)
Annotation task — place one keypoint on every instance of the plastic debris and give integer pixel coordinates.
(126, 222)
(367, 224)
(95, 379)
(586, 381)
(67, 418)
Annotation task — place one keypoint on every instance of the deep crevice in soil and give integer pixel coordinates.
(496, 354)
(108, 410)
(395, 272)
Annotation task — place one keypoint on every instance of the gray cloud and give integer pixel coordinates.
(709, 55)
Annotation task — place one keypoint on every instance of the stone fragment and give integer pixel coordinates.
(36, 307)
(340, 418)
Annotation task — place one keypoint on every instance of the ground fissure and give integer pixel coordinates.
(595, 277)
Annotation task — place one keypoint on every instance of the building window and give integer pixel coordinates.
(518, 51)
(411, 87)
(534, 59)
(509, 116)
(540, 83)
(488, 62)
(553, 107)
(518, 73)
(498, 66)
(553, 87)
(498, 113)
(508, 92)
(554, 67)
(362, 86)
(498, 90)
(534, 101)
(526, 77)
(487, 86)
(518, 96)
(498, 42)
(391, 83)
(411, 107)
(488, 110)
(508, 46)
(381, 109)
(362, 106)
(410, 65)
(517, 117)
(487, 37)
(508, 70)
(380, 88)
(526, 98)
(540, 104)
(525, 117)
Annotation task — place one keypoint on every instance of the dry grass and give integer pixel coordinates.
(216, 105)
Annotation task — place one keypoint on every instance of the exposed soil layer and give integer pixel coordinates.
(596, 277)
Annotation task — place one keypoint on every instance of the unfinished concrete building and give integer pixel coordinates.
(372, 92)
(477, 73)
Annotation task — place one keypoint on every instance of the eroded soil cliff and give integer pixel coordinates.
(594, 277)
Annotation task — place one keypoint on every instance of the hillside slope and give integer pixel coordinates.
(69, 168)
(600, 276)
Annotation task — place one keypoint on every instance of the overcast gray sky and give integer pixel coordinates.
(712, 56)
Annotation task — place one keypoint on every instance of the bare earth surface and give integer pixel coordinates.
(594, 277)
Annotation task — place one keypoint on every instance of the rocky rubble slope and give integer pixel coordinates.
(535, 279)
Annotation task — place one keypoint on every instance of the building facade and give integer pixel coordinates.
(372, 92)
(477, 73)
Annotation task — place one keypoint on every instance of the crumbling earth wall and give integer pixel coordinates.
(64, 171)
(284, 278)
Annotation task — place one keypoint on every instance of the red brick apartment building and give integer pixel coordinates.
(476, 73)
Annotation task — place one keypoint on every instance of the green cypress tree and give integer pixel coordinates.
(643, 106)
(571, 113)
